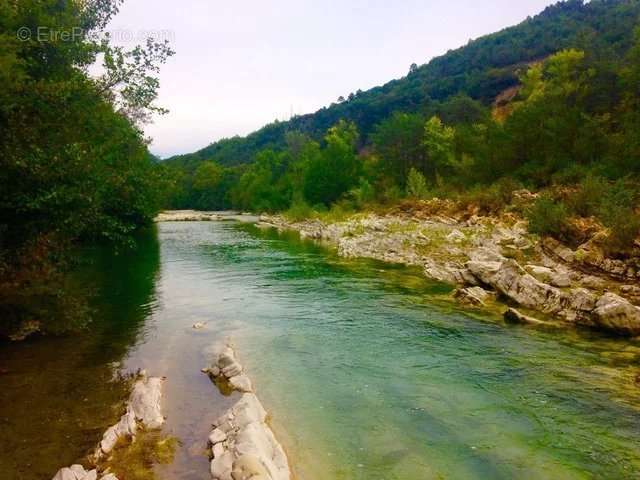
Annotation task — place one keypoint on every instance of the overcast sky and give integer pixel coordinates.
(244, 63)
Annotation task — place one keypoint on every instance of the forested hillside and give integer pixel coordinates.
(552, 105)
(480, 71)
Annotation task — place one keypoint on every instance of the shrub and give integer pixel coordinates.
(416, 185)
(363, 194)
(491, 199)
(588, 197)
(624, 228)
(616, 212)
(548, 217)
(298, 211)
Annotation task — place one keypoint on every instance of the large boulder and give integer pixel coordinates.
(512, 281)
(616, 314)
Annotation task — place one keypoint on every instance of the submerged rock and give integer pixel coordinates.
(472, 296)
(514, 316)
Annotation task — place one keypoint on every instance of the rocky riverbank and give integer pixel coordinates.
(492, 260)
(242, 444)
(143, 411)
(187, 216)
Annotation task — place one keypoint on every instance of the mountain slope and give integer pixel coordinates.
(480, 70)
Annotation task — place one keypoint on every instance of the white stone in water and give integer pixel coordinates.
(217, 450)
(145, 401)
(221, 467)
(127, 425)
(217, 436)
(248, 410)
(232, 370)
(241, 383)
(109, 439)
(226, 358)
(249, 467)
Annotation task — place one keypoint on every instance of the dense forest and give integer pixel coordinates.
(74, 164)
(551, 105)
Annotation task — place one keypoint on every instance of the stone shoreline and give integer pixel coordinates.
(493, 261)
(243, 445)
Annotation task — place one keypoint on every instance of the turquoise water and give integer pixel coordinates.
(367, 371)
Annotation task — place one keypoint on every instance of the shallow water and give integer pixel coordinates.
(367, 372)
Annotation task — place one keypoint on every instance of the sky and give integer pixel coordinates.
(242, 64)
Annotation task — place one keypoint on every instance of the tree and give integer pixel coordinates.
(438, 143)
(398, 142)
(416, 185)
(335, 171)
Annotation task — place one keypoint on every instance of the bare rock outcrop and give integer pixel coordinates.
(186, 216)
(243, 446)
(608, 312)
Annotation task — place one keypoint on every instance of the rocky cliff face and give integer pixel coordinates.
(490, 258)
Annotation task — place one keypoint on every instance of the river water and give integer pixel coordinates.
(367, 371)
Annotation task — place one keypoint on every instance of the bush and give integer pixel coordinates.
(624, 228)
(363, 194)
(298, 211)
(587, 199)
(416, 185)
(491, 199)
(616, 211)
(548, 217)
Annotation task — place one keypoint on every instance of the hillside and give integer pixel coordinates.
(480, 70)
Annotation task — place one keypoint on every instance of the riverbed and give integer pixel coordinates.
(367, 370)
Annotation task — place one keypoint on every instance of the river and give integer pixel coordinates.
(368, 371)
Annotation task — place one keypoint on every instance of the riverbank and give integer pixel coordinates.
(492, 262)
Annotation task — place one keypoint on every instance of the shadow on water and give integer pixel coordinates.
(59, 394)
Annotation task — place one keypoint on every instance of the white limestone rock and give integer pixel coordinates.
(221, 466)
(241, 383)
(217, 436)
(145, 401)
(616, 314)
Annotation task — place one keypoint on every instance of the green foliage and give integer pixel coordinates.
(438, 142)
(397, 141)
(548, 216)
(416, 185)
(73, 161)
(336, 170)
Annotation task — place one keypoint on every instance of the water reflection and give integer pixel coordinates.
(58, 395)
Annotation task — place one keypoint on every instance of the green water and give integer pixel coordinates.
(368, 373)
